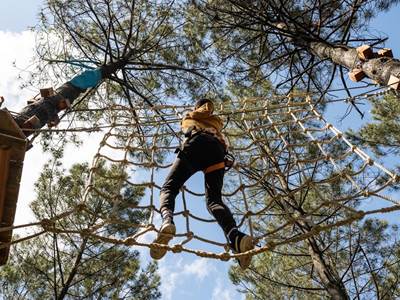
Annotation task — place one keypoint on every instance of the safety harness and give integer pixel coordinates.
(229, 159)
(214, 167)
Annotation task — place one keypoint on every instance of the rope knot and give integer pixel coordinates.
(225, 256)
(80, 207)
(177, 248)
(85, 232)
(47, 224)
(396, 178)
(151, 184)
(248, 213)
(130, 241)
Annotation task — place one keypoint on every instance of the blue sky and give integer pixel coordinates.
(184, 276)
(18, 15)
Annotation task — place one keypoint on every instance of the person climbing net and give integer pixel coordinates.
(203, 150)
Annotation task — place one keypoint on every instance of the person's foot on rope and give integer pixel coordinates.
(240, 243)
(166, 233)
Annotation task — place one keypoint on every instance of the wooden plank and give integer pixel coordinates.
(10, 206)
(4, 253)
(4, 164)
(365, 52)
(357, 75)
(385, 52)
(12, 154)
(47, 92)
(9, 126)
(394, 82)
(12, 191)
(12, 141)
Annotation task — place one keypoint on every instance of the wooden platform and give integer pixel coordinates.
(12, 152)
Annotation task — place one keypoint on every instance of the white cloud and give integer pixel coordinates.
(176, 275)
(222, 292)
(170, 276)
(16, 48)
(200, 267)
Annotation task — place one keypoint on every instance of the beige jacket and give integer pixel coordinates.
(203, 118)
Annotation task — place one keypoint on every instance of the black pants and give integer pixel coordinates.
(200, 152)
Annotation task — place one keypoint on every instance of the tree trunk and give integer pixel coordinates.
(73, 272)
(378, 69)
(329, 278)
(326, 273)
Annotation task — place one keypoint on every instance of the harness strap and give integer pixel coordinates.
(214, 167)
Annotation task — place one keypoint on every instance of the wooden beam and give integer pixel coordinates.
(4, 167)
(357, 75)
(365, 52)
(385, 52)
(394, 82)
(47, 92)
(12, 152)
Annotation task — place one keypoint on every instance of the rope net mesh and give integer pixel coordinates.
(295, 176)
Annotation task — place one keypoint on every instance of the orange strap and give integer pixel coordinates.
(214, 167)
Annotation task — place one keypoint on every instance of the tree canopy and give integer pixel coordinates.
(72, 265)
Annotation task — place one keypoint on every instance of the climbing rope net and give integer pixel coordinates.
(295, 176)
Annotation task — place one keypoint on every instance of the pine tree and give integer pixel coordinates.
(308, 44)
(353, 261)
(66, 263)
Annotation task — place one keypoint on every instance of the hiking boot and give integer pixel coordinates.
(242, 243)
(166, 233)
